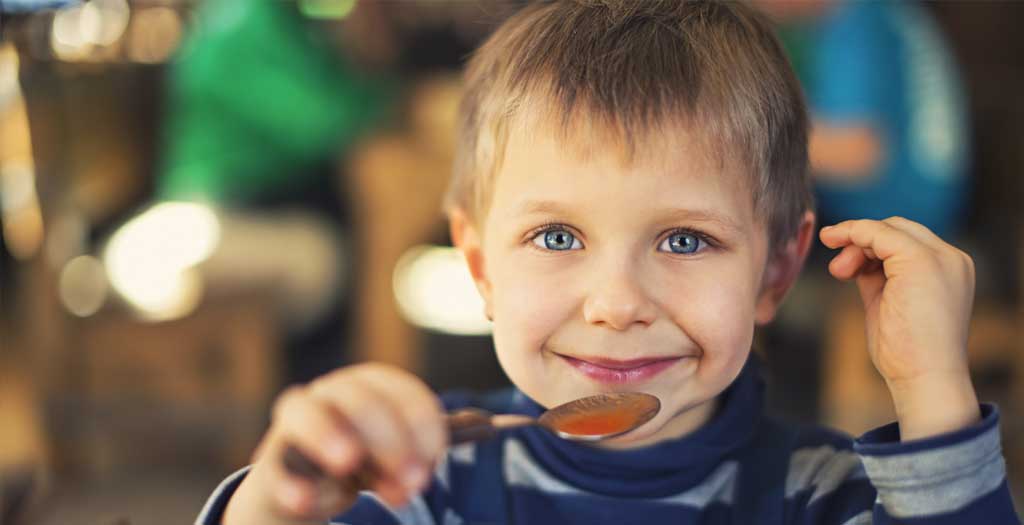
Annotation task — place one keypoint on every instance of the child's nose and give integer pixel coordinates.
(619, 303)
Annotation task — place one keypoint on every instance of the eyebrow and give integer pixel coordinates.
(703, 215)
(534, 206)
(677, 214)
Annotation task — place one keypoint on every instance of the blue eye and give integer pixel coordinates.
(684, 243)
(557, 240)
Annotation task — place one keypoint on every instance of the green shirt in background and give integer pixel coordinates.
(256, 96)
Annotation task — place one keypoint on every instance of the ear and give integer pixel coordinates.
(782, 270)
(467, 239)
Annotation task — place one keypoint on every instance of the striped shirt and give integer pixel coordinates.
(741, 467)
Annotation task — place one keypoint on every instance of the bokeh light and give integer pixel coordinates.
(151, 260)
(434, 290)
(83, 285)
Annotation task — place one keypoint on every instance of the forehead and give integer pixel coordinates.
(667, 163)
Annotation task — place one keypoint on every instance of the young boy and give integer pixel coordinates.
(631, 197)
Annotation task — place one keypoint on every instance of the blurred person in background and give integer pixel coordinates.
(889, 137)
(890, 133)
(262, 105)
(274, 107)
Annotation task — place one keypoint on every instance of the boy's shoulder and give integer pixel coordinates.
(817, 461)
(809, 435)
(806, 442)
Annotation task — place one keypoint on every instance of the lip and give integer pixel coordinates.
(616, 371)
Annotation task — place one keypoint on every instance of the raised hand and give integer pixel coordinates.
(918, 292)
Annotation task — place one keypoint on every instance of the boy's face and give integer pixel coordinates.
(602, 277)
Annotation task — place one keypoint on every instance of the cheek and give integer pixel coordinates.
(524, 318)
(528, 307)
(716, 310)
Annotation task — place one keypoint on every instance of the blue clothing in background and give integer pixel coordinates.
(740, 468)
(885, 64)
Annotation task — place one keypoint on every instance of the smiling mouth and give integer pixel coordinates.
(616, 371)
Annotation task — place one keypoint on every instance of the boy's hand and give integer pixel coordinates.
(364, 414)
(917, 292)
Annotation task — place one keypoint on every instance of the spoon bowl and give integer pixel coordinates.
(592, 418)
(601, 416)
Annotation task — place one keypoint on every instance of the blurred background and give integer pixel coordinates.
(205, 201)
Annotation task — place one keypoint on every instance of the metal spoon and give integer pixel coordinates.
(592, 418)
(588, 419)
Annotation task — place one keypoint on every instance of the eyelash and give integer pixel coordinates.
(710, 241)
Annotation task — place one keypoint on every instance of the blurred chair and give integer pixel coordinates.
(398, 180)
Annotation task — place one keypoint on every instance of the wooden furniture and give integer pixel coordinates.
(398, 181)
(196, 390)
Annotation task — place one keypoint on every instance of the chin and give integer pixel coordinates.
(630, 440)
(646, 435)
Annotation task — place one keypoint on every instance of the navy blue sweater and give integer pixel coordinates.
(741, 467)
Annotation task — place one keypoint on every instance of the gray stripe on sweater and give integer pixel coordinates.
(938, 481)
(825, 468)
(464, 453)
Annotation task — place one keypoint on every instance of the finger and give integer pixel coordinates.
(418, 421)
(916, 230)
(296, 497)
(386, 438)
(419, 407)
(318, 431)
(849, 261)
(943, 250)
(883, 239)
(393, 492)
(304, 498)
(830, 238)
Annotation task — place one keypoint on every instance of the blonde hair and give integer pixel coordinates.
(634, 67)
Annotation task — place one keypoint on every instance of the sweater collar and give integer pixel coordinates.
(658, 470)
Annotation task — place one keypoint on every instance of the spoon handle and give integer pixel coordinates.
(464, 426)
(298, 464)
(470, 424)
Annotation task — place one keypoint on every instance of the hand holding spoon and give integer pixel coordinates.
(587, 419)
